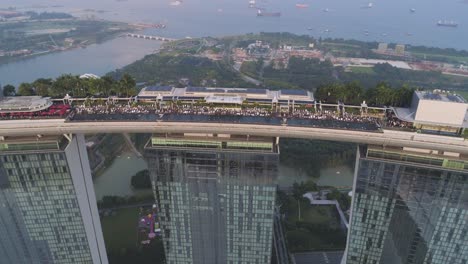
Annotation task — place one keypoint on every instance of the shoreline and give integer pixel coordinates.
(50, 52)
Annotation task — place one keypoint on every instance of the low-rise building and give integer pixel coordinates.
(383, 47)
(438, 112)
(400, 49)
(226, 95)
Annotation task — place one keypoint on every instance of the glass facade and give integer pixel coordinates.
(216, 198)
(41, 218)
(409, 208)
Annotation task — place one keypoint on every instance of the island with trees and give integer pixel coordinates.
(32, 34)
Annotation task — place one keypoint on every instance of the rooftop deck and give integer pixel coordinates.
(24, 104)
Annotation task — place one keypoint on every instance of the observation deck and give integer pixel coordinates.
(261, 127)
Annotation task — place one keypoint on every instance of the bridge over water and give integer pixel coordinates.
(383, 137)
(148, 37)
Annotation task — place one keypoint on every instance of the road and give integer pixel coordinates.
(244, 77)
(131, 145)
(236, 66)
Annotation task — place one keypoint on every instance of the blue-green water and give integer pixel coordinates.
(116, 179)
(387, 21)
(98, 59)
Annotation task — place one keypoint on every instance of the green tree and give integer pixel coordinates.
(127, 85)
(298, 189)
(141, 180)
(108, 86)
(9, 90)
(25, 89)
(403, 96)
(384, 95)
(354, 93)
(42, 86)
(64, 84)
(90, 86)
(343, 199)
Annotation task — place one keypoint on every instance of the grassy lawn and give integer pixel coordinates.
(120, 230)
(362, 70)
(462, 93)
(303, 240)
(278, 83)
(249, 68)
(120, 236)
(317, 229)
(310, 214)
(320, 214)
(440, 56)
(342, 45)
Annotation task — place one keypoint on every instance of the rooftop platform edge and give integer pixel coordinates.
(387, 138)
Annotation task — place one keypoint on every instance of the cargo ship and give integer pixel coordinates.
(441, 23)
(268, 14)
(299, 5)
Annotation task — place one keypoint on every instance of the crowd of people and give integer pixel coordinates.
(112, 112)
(204, 110)
(113, 109)
(330, 115)
(150, 112)
(397, 123)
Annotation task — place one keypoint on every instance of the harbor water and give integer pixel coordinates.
(385, 21)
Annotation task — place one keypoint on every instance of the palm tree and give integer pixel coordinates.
(9, 90)
(127, 85)
(25, 89)
(42, 86)
(108, 85)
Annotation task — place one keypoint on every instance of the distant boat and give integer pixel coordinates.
(444, 23)
(368, 6)
(252, 3)
(268, 14)
(175, 3)
(326, 10)
(412, 10)
(310, 29)
(303, 5)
